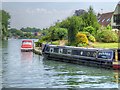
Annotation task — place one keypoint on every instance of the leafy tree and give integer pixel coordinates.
(90, 29)
(62, 33)
(16, 32)
(65, 23)
(90, 19)
(57, 33)
(108, 27)
(73, 29)
(29, 29)
(5, 22)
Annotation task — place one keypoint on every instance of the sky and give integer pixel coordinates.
(44, 14)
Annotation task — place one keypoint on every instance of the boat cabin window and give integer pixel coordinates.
(51, 50)
(60, 50)
(68, 51)
(28, 43)
(75, 52)
(64, 51)
(56, 50)
(47, 49)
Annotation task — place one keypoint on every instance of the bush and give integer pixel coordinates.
(55, 42)
(107, 36)
(90, 29)
(81, 39)
(86, 33)
(39, 43)
(91, 38)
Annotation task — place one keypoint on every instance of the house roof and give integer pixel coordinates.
(105, 18)
(119, 2)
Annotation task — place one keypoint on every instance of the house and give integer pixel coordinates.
(105, 19)
(111, 18)
(115, 20)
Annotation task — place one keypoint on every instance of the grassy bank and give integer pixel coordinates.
(105, 45)
(96, 44)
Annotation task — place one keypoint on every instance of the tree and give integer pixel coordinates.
(5, 22)
(57, 33)
(73, 29)
(90, 19)
(108, 27)
(90, 29)
(62, 33)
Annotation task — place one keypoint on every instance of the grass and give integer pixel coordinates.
(105, 45)
(96, 44)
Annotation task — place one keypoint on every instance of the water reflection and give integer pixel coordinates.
(26, 56)
(117, 76)
(71, 75)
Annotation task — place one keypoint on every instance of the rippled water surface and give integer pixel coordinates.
(28, 70)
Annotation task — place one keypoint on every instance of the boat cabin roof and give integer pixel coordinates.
(73, 47)
(27, 41)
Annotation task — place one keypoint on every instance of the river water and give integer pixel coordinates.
(28, 70)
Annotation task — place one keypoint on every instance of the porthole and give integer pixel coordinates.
(94, 54)
(51, 50)
(81, 53)
(88, 54)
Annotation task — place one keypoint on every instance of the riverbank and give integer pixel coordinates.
(37, 50)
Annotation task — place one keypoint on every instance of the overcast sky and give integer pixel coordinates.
(43, 14)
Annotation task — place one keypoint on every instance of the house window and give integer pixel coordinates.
(103, 20)
(99, 20)
(116, 19)
(108, 19)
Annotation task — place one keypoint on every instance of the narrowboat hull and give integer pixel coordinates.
(27, 49)
(103, 58)
(116, 65)
(77, 60)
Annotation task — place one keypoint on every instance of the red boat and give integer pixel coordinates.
(116, 62)
(27, 45)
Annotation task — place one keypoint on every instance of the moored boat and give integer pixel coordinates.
(105, 58)
(27, 45)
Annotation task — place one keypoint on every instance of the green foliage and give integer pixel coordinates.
(91, 38)
(39, 43)
(86, 33)
(90, 19)
(56, 33)
(81, 39)
(55, 43)
(5, 22)
(20, 34)
(86, 22)
(90, 29)
(62, 33)
(73, 29)
(29, 29)
(108, 27)
(107, 36)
